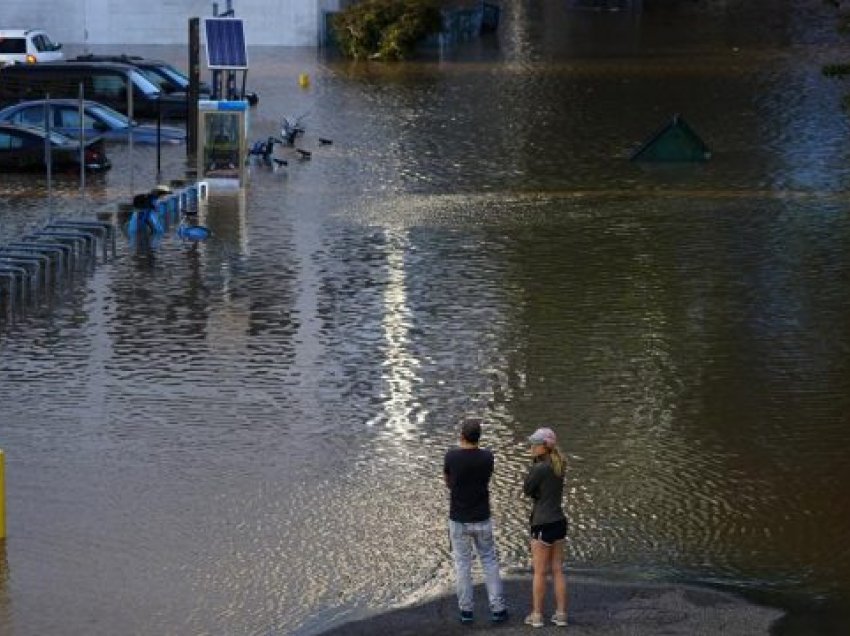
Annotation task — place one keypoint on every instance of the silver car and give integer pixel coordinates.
(98, 120)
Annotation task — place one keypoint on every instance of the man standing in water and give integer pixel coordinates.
(467, 470)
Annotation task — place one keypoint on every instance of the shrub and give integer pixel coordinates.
(385, 29)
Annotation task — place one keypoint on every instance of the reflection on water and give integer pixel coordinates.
(245, 435)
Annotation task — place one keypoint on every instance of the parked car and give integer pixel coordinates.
(23, 148)
(167, 77)
(97, 120)
(102, 82)
(27, 46)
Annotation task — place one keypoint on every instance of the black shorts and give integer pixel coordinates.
(549, 533)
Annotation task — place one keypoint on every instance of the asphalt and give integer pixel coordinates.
(596, 607)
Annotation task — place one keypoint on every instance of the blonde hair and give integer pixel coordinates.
(557, 461)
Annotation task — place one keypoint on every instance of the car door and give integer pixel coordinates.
(67, 121)
(109, 88)
(15, 152)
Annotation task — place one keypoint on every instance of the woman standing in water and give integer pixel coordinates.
(544, 483)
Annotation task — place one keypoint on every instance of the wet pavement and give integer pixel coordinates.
(596, 607)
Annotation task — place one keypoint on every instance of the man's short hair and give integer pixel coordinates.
(470, 430)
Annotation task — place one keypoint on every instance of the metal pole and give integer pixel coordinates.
(130, 129)
(194, 84)
(216, 75)
(48, 150)
(82, 147)
(2, 495)
(159, 139)
(12, 295)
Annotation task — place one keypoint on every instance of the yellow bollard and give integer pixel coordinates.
(2, 496)
(303, 80)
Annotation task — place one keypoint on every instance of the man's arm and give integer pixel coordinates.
(446, 471)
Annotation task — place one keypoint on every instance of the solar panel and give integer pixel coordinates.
(225, 43)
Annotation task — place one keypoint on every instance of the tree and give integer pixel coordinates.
(385, 29)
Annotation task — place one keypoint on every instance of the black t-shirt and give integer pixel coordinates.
(468, 473)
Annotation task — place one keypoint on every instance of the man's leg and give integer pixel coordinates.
(485, 544)
(462, 554)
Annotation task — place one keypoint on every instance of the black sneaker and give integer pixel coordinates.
(500, 616)
(466, 617)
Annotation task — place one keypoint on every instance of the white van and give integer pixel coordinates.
(27, 46)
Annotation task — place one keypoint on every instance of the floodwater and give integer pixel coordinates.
(246, 436)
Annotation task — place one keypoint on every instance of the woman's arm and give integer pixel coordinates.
(531, 486)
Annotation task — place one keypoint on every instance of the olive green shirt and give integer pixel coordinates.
(547, 491)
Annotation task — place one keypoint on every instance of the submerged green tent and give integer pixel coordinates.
(675, 141)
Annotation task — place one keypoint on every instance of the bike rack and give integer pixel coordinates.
(77, 241)
(87, 236)
(42, 260)
(10, 276)
(21, 273)
(53, 253)
(47, 255)
(103, 229)
(60, 252)
(24, 262)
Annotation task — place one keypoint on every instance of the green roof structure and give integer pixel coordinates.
(676, 141)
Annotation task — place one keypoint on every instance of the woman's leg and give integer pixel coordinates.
(559, 579)
(540, 557)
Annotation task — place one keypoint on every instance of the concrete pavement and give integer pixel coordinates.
(597, 607)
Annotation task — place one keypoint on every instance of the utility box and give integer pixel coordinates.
(222, 142)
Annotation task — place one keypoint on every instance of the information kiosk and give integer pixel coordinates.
(222, 142)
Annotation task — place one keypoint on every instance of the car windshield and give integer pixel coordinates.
(111, 117)
(49, 44)
(178, 77)
(144, 84)
(155, 78)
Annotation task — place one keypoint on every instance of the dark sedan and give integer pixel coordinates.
(98, 120)
(22, 148)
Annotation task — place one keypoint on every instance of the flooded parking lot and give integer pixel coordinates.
(246, 436)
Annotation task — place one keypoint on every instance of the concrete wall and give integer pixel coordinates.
(267, 22)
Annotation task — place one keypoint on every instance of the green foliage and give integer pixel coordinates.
(385, 29)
